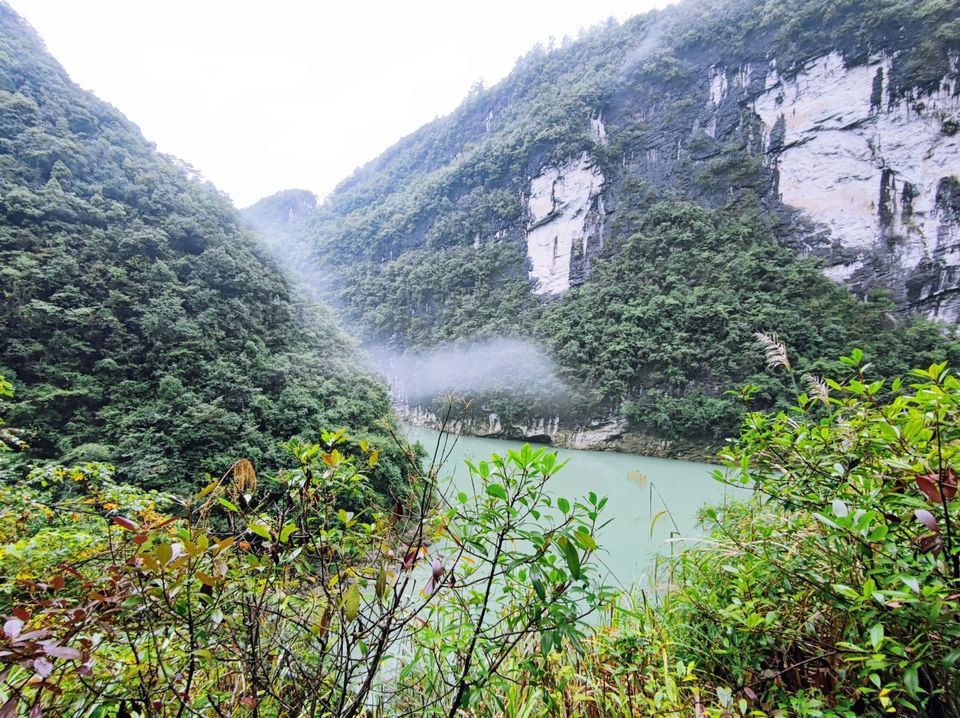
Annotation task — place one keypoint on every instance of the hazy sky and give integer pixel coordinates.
(262, 96)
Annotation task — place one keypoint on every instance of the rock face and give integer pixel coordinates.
(874, 173)
(566, 215)
(833, 129)
(610, 435)
(877, 172)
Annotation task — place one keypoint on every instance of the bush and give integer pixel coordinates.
(295, 601)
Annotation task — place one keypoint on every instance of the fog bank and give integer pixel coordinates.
(468, 369)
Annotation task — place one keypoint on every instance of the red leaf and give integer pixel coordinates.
(126, 524)
(42, 666)
(9, 709)
(140, 539)
(57, 583)
(411, 557)
(324, 624)
(34, 635)
(21, 613)
(72, 571)
(36, 711)
(949, 485)
(930, 542)
(928, 485)
(13, 627)
(56, 651)
(927, 519)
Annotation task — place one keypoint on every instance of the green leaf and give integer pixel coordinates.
(205, 491)
(351, 602)
(571, 556)
(260, 530)
(824, 520)
(286, 531)
(497, 491)
(659, 515)
(164, 553)
(846, 591)
(227, 505)
(911, 681)
(585, 540)
(381, 586)
(563, 505)
(876, 635)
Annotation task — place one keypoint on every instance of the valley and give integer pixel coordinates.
(627, 388)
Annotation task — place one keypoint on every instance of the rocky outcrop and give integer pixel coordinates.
(565, 208)
(610, 434)
(871, 173)
(873, 170)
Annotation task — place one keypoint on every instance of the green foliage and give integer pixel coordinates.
(833, 591)
(662, 322)
(839, 582)
(141, 325)
(528, 579)
(289, 602)
(668, 321)
(794, 32)
(9, 440)
(427, 298)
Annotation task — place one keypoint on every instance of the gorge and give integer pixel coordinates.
(682, 294)
(824, 142)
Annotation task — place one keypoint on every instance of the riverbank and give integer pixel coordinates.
(611, 434)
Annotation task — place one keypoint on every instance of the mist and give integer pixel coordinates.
(469, 369)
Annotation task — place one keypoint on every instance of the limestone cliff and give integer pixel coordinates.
(641, 200)
(876, 171)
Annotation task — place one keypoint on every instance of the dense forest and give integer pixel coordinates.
(831, 592)
(207, 508)
(429, 243)
(141, 324)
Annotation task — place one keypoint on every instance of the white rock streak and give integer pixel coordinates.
(718, 92)
(559, 205)
(837, 145)
(597, 128)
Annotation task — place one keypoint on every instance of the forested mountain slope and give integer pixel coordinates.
(139, 321)
(644, 199)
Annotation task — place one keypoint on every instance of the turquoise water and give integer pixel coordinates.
(639, 488)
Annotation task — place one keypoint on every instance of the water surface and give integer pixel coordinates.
(653, 503)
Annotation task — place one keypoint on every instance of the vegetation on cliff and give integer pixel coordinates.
(833, 591)
(141, 324)
(434, 229)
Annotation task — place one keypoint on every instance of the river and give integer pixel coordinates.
(653, 503)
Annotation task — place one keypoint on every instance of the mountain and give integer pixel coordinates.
(645, 198)
(141, 323)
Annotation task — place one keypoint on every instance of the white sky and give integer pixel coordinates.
(263, 96)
